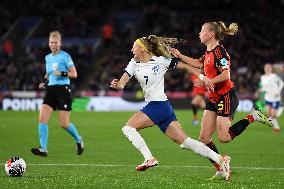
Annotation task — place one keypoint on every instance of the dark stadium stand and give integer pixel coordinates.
(98, 62)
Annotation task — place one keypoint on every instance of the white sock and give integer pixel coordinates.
(137, 141)
(200, 148)
(275, 123)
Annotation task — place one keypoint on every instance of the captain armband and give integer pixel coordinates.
(174, 62)
(64, 74)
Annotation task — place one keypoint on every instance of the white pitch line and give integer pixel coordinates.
(162, 166)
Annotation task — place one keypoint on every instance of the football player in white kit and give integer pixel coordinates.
(149, 65)
(272, 85)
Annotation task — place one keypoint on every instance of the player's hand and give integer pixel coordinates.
(57, 73)
(41, 85)
(115, 84)
(198, 83)
(175, 52)
(208, 84)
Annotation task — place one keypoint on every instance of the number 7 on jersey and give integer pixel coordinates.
(146, 78)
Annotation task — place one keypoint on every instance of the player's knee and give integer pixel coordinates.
(64, 124)
(204, 139)
(223, 138)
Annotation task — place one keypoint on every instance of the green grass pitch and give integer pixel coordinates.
(109, 159)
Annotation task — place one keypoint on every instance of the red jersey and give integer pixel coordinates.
(196, 89)
(215, 62)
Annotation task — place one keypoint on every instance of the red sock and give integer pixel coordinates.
(250, 118)
(217, 166)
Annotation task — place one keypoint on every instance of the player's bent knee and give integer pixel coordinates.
(204, 139)
(64, 125)
(223, 139)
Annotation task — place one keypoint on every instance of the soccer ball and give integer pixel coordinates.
(15, 167)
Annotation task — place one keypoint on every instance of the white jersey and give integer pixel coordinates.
(272, 86)
(150, 75)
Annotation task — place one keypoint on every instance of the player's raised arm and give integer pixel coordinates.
(119, 84)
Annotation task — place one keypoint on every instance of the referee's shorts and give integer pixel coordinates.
(58, 97)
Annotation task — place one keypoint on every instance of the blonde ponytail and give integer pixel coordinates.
(220, 29)
(231, 30)
(159, 47)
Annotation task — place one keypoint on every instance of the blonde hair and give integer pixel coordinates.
(56, 34)
(154, 45)
(220, 29)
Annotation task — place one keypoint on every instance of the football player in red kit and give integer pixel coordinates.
(223, 101)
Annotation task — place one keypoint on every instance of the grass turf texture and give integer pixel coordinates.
(109, 159)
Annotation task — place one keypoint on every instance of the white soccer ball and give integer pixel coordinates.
(15, 167)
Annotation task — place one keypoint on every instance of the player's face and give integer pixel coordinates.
(136, 50)
(205, 34)
(54, 44)
(268, 68)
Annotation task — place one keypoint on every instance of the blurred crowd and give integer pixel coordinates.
(259, 39)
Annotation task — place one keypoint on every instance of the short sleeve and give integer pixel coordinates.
(130, 68)
(68, 61)
(222, 59)
(167, 62)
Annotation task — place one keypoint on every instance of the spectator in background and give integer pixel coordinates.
(107, 34)
(8, 48)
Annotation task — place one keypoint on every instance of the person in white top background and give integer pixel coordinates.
(272, 85)
(149, 65)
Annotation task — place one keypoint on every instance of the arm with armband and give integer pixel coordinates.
(72, 73)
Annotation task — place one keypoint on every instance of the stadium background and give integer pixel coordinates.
(99, 35)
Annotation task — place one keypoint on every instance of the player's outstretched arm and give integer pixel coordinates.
(190, 61)
(119, 84)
